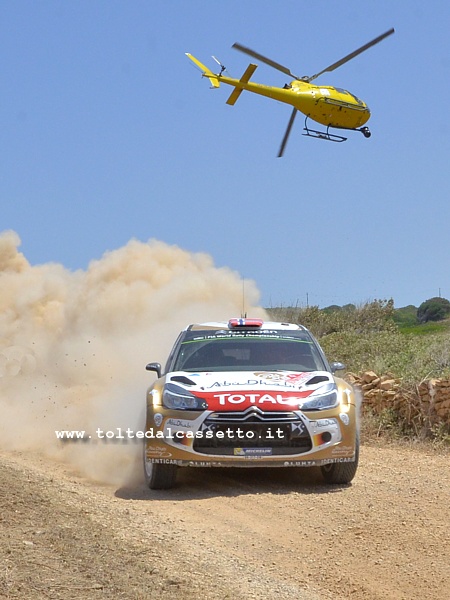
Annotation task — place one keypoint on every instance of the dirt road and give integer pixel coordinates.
(241, 534)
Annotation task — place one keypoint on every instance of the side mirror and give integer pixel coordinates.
(154, 366)
(337, 366)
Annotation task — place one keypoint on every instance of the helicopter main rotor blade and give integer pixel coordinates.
(341, 62)
(288, 131)
(264, 59)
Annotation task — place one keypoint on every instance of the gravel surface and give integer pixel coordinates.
(229, 533)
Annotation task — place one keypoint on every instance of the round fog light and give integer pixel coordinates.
(344, 418)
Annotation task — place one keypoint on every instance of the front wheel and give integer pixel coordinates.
(341, 472)
(159, 476)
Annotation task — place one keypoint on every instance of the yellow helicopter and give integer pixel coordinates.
(327, 105)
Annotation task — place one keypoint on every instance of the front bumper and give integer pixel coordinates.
(251, 438)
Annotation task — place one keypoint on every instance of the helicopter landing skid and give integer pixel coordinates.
(323, 135)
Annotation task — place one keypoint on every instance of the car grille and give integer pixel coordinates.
(253, 414)
(282, 432)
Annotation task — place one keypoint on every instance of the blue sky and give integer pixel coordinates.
(108, 133)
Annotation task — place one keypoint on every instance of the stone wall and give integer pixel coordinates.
(422, 407)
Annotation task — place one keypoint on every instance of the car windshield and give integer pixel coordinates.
(247, 351)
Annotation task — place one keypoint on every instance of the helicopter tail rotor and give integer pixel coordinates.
(222, 67)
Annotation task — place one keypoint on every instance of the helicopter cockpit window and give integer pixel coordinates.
(347, 93)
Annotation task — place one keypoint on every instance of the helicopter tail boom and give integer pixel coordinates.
(214, 79)
(244, 79)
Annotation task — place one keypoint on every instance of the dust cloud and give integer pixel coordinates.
(74, 345)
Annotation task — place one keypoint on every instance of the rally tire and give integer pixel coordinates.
(159, 477)
(341, 472)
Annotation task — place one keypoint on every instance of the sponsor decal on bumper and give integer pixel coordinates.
(253, 452)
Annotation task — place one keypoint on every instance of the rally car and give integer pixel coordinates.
(249, 393)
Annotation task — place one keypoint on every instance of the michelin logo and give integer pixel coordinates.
(252, 451)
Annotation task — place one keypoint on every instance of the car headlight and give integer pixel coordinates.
(324, 397)
(178, 398)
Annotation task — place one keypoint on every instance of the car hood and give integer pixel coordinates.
(238, 390)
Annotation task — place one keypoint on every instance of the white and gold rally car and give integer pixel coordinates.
(249, 393)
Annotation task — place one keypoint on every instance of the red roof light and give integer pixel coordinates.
(232, 323)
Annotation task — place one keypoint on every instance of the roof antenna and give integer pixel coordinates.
(243, 313)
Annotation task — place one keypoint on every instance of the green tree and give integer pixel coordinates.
(434, 309)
